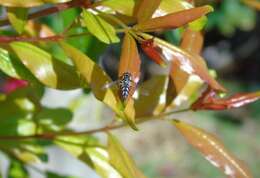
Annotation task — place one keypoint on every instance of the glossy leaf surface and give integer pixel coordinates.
(130, 60)
(170, 6)
(124, 7)
(93, 75)
(174, 20)
(6, 64)
(120, 159)
(192, 42)
(153, 52)
(213, 150)
(189, 63)
(50, 72)
(99, 27)
(210, 101)
(17, 17)
(87, 150)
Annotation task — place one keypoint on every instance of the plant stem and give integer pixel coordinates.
(9, 39)
(57, 8)
(52, 136)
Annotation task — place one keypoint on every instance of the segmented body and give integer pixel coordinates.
(125, 85)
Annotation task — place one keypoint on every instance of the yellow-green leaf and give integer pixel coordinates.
(6, 64)
(87, 150)
(99, 27)
(17, 17)
(94, 76)
(170, 6)
(122, 6)
(119, 158)
(144, 9)
(28, 3)
(213, 150)
(50, 72)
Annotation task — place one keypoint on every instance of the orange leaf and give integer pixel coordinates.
(153, 52)
(192, 42)
(253, 3)
(209, 101)
(173, 20)
(144, 9)
(213, 150)
(188, 62)
(130, 61)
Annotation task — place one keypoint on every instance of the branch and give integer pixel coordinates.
(9, 39)
(54, 9)
(51, 136)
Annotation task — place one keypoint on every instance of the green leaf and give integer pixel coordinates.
(99, 28)
(17, 170)
(55, 175)
(13, 113)
(119, 158)
(6, 64)
(28, 3)
(17, 17)
(52, 73)
(54, 119)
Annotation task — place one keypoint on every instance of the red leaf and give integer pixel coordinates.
(12, 84)
(153, 52)
(209, 100)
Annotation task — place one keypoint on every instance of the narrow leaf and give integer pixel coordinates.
(94, 76)
(50, 72)
(99, 28)
(144, 9)
(130, 61)
(6, 64)
(210, 101)
(87, 150)
(17, 17)
(213, 150)
(124, 7)
(170, 6)
(153, 52)
(189, 63)
(192, 42)
(120, 159)
(173, 20)
(17, 170)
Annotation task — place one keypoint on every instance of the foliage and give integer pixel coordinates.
(35, 56)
